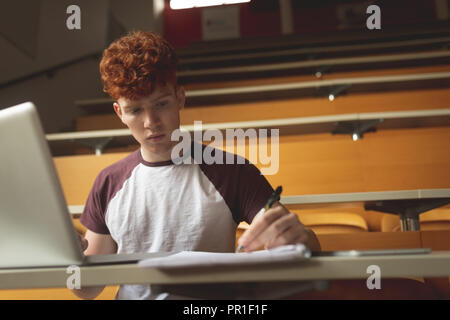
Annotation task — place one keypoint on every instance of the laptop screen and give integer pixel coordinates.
(35, 226)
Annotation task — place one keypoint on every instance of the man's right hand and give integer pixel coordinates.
(98, 244)
(83, 241)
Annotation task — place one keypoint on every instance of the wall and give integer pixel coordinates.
(45, 22)
(55, 44)
(262, 18)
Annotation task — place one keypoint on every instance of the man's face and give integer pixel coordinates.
(152, 119)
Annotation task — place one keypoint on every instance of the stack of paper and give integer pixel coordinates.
(185, 259)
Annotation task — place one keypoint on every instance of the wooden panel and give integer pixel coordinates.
(327, 76)
(370, 241)
(406, 158)
(436, 239)
(385, 160)
(278, 109)
(99, 122)
(77, 174)
(306, 107)
(314, 164)
(108, 293)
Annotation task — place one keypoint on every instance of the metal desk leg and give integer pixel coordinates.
(409, 222)
(408, 210)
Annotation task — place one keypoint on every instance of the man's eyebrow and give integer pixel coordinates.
(137, 103)
(162, 96)
(129, 106)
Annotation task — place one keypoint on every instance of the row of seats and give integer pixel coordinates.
(346, 222)
(400, 100)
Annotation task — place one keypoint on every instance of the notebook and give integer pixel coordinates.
(190, 259)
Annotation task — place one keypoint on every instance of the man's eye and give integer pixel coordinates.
(161, 104)
(136, 111)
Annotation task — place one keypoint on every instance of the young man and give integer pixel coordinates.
(146, 202)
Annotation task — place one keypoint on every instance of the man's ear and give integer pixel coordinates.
(181, 97)
(118, 110)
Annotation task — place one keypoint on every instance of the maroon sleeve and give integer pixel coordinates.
(93, 216)
(243, 187)
(106, 185)
(253, 192)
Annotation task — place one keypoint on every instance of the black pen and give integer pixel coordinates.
(273, 198)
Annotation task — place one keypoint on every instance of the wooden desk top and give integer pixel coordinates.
(367, 196)
(343, 197)
(435, 264)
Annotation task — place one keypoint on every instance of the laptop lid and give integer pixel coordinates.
(36, 228)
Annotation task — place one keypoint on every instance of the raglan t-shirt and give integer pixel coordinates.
(163, 206)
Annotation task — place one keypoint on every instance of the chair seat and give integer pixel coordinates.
(326, 223)
(441, 215)
(333, 222)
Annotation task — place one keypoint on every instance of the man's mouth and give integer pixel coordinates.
(155, 137)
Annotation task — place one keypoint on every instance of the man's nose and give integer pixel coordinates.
(151, 118)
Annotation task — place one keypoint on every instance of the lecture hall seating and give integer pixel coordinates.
(413, 158)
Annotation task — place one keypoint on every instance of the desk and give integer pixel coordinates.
(435, 264)
(408, 204)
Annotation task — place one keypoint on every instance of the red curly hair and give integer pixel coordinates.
(132, 65)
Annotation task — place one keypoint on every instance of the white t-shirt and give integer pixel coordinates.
(154, 207)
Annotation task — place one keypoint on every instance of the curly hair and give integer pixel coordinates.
(133, 65)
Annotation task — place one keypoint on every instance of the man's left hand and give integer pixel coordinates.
(275, 227)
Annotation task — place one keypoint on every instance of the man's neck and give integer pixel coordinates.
(155, 157)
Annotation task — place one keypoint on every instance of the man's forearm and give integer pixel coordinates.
(88, 292)
(313, 242)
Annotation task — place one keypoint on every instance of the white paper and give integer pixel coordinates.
(185, 259)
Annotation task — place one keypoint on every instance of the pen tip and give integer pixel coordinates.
(239, 248)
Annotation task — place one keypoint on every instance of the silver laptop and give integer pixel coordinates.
(36, 228)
